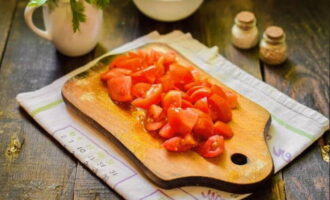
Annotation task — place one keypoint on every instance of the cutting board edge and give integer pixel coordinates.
(179, 182)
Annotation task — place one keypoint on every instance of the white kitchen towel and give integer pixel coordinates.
(294, 126)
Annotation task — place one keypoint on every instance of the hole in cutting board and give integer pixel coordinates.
(239, 159)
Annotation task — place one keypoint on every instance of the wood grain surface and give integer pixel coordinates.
(39, 168)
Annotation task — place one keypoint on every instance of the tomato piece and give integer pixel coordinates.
(186, 104)
(182, 120)
(193, 89)
(140, 89)
(167, 83)
(166, 131)
(222, 129)
(219, 108)
(148, 74)
(219, 91)
(153, 96)
(117, 59)
(202, 105)
(114, 73)
(169, 58)
(203, 128)
(212, 147)
(172, 99)
(200, 93)
(180, 74)
(178, 144)
(154, 126)
(190, 85)
(232, 99)
(160, 67)
(133, 64)
(155, 112)
(119, 88)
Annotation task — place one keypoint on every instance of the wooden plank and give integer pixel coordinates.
(32, 164)
(305, 78)
(7, 9)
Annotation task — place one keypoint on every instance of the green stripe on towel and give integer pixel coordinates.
(46, 107)
(293, 129)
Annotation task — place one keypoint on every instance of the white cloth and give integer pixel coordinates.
(294, 126)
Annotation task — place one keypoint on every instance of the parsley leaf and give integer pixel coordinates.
(78, 14)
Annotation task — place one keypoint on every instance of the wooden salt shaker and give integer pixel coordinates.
(244, 31)
(273, 48)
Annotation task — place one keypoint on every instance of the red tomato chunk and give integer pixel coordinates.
(182, 106)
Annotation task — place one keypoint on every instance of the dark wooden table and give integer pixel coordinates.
(39, 168)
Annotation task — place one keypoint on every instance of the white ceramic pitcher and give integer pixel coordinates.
(59, 29)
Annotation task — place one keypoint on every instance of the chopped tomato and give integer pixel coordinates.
(153, 96)
(219, 91)
(140, 89)
(180, 74)
(178, 144)
(153, 126)
(175, 144)
(212, 147)
(203, 128)
(117, 59)
(114, 73)
(169, 58)
(186, 104)
(193, 89)
(182, 120)
(202, 105)
(119, 88)
(232, 99)
(190, 85)
(172, 99)
(133, 64)
(167, 82)
(166, 131)
(222, 129)
(200, 93)
(155, 112)
(220, 109)
(148, 74)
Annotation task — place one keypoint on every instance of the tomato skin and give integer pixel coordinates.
(166, 131)
(140, 89)
(114, 73)
(232, 99)
(119, 88)
(153, 96)
(203, 128)
(212, 147)
(202, 105)
(200, 93)
(219, 108)
(172, 99)
(222, 129)
(182, 120)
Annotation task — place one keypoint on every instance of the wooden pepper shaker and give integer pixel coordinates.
(244, 31)
(273, 48)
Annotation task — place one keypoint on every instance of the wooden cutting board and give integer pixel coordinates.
(244, 166)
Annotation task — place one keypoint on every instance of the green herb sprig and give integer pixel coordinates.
(77, 8)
